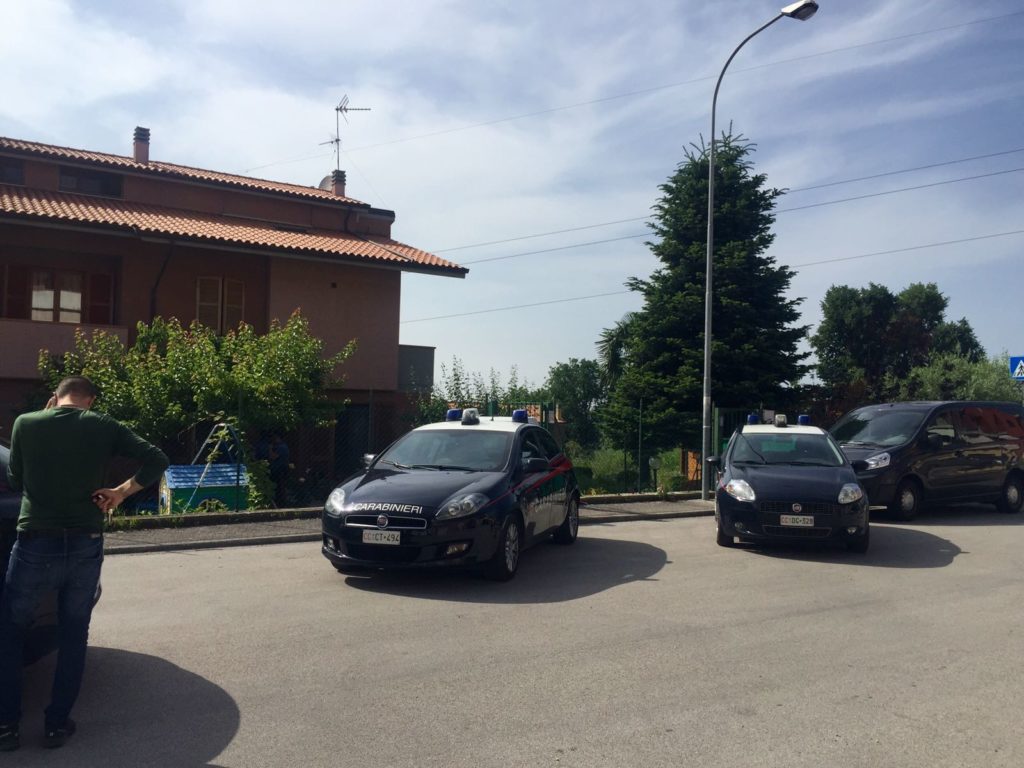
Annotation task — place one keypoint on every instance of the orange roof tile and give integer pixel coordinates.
(170, 169)
(22, 203)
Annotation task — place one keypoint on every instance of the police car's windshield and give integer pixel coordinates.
(880, 428)
(786, 448)
(459, 449)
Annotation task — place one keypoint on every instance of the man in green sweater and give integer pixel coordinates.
(59, 459)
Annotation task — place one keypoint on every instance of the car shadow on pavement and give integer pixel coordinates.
(891, 547)
(547, 573)
(955, 514)
(134, 710)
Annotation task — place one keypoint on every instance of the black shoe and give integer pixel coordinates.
(10, 740)
(57, 736)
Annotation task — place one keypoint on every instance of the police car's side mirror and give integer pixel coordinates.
(715, 461)
(536, 464)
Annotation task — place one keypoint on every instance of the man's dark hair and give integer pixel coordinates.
(78, 386)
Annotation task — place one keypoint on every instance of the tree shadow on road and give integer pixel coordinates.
(134, 711)
(891, 547)
(548, 573)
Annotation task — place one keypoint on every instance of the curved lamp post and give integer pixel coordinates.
(802, 11)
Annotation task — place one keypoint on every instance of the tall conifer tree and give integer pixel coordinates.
(755, 360)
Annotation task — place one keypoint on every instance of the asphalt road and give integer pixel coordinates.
(643, 645)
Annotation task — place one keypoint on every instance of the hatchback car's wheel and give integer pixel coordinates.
(1011, 500)
(505, 562)
(860, 543)
(907, 501)
(722, 539)
(570, 527)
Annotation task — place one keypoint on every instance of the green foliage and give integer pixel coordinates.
(952, 377)
(173, 378)
(457, 387)
(870, 340)
(657, 354)
(608, 470)
(578, 389)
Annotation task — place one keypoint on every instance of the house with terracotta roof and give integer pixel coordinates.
(92, 240)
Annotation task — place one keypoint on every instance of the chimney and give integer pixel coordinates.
(141, 145)
(338, 183)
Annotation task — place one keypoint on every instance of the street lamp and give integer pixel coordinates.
(801, 11)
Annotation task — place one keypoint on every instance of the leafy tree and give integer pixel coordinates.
(577, 389)
(869, 339)
(456, 387)
(612, 349)
(174, 378)
(955, 377)
(754, 339)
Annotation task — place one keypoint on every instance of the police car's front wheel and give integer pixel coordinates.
(570, 527)
(505, 562)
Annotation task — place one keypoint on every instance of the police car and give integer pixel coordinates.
(469, 491)
(782, 482)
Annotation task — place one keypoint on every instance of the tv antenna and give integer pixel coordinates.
(341, 111)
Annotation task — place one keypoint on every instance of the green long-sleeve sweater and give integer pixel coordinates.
(59, 457)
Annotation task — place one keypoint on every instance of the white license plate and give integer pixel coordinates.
(382, 537)
(800, 521)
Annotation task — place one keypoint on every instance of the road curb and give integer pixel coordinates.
(594, 518)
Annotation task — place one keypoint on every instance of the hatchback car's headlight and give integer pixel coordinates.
(335, 502)
(850, 493)
(461, 506)
(878, 461)
(740, 490)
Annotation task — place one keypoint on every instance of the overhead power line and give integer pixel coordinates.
(794, 266)
(788, 191)
(779, 210)
(517, 306)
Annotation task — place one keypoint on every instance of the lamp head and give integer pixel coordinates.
(802, 10)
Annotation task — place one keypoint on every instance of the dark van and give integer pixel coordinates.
(920, 452)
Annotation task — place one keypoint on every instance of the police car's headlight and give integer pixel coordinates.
(740, 490)
(850, 493)
(335, 502)
(878, 461)
(461, 506)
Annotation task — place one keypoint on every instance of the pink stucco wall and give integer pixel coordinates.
(344, 303)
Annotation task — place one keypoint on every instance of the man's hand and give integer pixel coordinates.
(108, 499)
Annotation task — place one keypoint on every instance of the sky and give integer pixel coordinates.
(527, 140)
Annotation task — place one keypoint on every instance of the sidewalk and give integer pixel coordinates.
(246, 529)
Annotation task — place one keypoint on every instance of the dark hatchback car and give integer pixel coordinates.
(779, 482)
(915, 453)
(470, 491)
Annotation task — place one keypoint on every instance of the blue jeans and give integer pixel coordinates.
(69, 564)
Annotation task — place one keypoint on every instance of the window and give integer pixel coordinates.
(90, 182)
(220, 303)
(55, 296)
(12, 171)
(208, 302)
(234, 304)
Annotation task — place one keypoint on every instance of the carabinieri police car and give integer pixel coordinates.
(471, 490)
(783, 482)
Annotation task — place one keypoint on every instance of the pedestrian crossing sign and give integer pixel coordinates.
(1017, 368)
